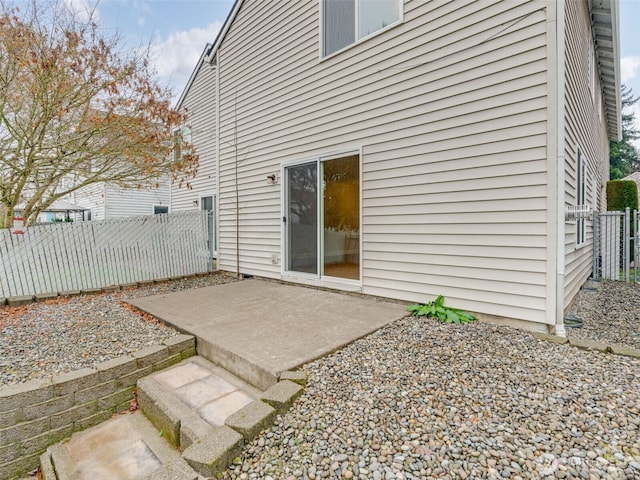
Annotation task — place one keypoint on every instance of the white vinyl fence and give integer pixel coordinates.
(85, 255)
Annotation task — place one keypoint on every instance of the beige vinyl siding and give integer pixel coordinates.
(584, 130)
(200, 104)
(449, 112)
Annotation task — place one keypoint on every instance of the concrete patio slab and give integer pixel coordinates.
(256, 329)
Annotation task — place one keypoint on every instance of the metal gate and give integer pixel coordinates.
(616, 246)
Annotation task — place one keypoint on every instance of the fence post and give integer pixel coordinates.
(636, 237)
(627, 242)
(595, 269)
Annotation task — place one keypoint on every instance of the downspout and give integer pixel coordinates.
(216, 62)
(560, 166)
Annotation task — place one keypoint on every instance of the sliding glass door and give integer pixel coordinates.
(301, 218)
(322, 219)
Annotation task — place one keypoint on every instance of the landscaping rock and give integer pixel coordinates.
(420, 400)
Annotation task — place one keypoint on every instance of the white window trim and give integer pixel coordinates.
(317, 279)
(581, 194)
(214, 201)
(357, 41)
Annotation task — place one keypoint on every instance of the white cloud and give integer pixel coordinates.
(176, 57)
(83, 9)
(628, 68)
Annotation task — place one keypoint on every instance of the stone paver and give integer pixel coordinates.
(125, 447)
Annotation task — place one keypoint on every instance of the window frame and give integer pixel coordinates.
(357, 40)
(157, 205)
(581, 197)
(319, 279)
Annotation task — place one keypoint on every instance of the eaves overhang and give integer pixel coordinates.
(605, 27)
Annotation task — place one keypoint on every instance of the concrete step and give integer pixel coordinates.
(187, 401)
(126, 447)
(194, 419)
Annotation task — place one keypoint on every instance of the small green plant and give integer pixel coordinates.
(437, 309)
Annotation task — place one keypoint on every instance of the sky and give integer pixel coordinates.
(178, 31)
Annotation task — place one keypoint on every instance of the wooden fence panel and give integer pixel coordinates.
(96, 254)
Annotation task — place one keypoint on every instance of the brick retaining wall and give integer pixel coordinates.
(39, 413)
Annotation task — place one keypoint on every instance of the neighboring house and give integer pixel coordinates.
(407, 149)
(111, 201)
(199, 102)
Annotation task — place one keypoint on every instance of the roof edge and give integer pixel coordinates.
(194, 73)
(605, 27)
(223, 32)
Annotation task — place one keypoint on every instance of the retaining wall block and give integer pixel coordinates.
(17, 301)
(19, 432)
(117, 368)
(131, 379)
(72, 382)
(69, 417)
(167, 362)
(28, 393)
(10, 417)
(43, 297)
(9, 452)
(179, 343)
(40, 442)
(150, 355)
(115, 399)
(48, 407)
(97, 391)
(19, 466)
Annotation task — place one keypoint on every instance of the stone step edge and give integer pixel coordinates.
(179, 423)
(586, 344)
(212, 455)
(55, 463)
(211, 450)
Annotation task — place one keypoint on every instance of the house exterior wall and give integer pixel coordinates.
(585, 130)
(93, 197)
(449, 112)
(110, 201)
(200, 104)
(131, 202)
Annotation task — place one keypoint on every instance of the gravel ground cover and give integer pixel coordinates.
(422, 400)
(610, 314)
(66, 334)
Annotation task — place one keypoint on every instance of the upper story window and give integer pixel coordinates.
(180, 137)
(344, 22)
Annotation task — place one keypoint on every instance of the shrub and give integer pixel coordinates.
(622, 194)
(437, 309)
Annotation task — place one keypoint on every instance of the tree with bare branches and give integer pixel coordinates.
(75, 109)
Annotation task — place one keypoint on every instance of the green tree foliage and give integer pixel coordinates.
(622, 194)
(624, 157)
